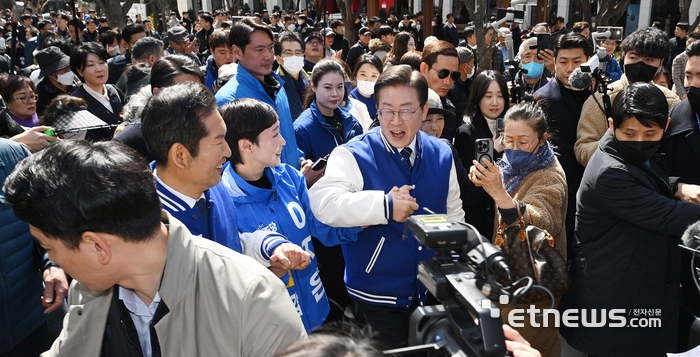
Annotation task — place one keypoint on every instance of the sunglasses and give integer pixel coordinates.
(443, 73)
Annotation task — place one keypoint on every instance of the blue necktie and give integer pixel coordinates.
(406, 152)
(204, 211)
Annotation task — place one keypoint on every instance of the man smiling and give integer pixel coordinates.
(363, 177)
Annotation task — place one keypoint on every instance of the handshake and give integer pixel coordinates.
(403, 203)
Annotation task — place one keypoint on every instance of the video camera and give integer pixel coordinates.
(464, 324)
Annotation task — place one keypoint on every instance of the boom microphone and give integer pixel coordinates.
(580, 80)
(691, 236)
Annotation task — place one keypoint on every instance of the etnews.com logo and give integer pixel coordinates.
(576, 317)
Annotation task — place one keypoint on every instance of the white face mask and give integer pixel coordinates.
(471, 74)
(365, 88)
(291, 27)
(433, 23)
(116, 50)
(66, 79)
(293, 64)
(300, 22)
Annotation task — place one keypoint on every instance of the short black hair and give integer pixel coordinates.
(246, 119)
(468, 31)
(647, 42)
(78, 59)
(336, 23)
(694, 35)
(108, 37)
(130, 30)
(146, 47)
(165, 69)
(481, 85)
(374, 19)
(693, 50)
(643, 101)
(175, 116)
(402, 75)
(239, 35)
(116, 195)
(218, 38)
(572, 41)
(385, 30)
(683, 26)
(207, 18)
(288, 36)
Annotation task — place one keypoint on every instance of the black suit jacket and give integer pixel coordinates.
(116, 99)
(681, 144)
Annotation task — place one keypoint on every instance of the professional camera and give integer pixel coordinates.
(464, 324)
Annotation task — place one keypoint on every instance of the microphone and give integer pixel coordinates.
(580, 80)
(582, 77)
(691, 236)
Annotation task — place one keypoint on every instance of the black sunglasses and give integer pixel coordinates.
(443, 73)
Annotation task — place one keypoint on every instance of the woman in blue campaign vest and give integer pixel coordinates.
(273, 196)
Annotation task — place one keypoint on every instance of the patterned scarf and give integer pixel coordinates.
(513, 178)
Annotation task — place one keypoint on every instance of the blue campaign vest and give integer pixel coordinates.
(381, 268)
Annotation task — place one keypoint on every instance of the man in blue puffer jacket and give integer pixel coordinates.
(272, 197)
(23, 327)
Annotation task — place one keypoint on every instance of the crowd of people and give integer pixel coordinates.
(211, 187)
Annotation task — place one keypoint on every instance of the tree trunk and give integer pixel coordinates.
(685, 9)
(484, 51)
(586, 7)
(349, 17)
(605, 13)
(114, 12)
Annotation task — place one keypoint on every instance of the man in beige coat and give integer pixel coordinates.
(644, 53)
(143, 284)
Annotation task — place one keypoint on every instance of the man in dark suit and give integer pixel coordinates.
(565, 103)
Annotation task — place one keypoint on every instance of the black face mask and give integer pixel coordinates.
(694, 98)
(637, 152)
(640, 72)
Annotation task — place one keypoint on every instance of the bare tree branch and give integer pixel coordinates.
(611, 9)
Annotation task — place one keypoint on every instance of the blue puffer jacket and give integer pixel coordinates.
(285, 209)
(20, 264)
(316, 138)
(244, 85)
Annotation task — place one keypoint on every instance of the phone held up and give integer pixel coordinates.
(484, 150)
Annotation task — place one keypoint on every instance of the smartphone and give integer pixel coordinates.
(545, 41)
(500, 125)
(483, 149)
(319, 164)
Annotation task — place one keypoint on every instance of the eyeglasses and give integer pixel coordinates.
(443, 73)
(293, 53)
(509, 144)
(26, 99)
(387, 114)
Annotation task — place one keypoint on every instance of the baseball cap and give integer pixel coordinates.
(364, 31)
(177, 34)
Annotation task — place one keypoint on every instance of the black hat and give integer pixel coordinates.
(312, 36)
(364, 31)
(51, 60)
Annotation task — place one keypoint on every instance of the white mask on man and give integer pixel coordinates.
(293, 64)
